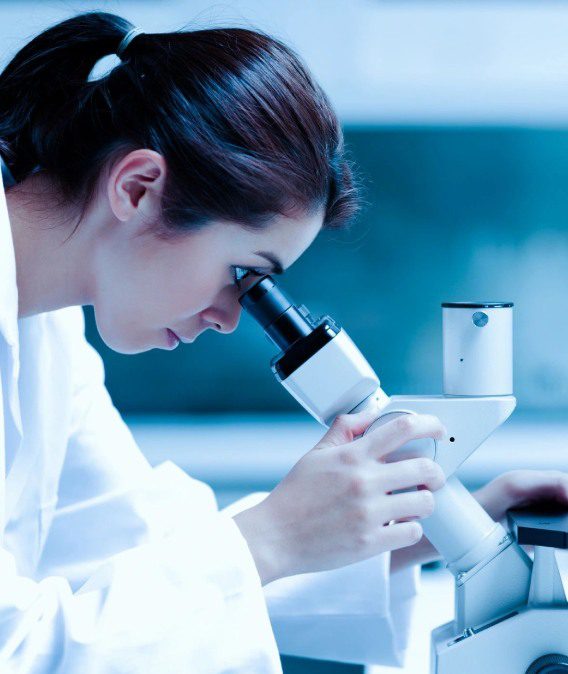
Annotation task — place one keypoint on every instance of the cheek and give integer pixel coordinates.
(140, 293)
(126, 303)
(186, 292)
(192, 279)
(117, 329)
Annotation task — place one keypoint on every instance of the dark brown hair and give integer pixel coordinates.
(245, 131)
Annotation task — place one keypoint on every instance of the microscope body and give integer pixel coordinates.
(530, 639)
(494, 581)
(478, 551)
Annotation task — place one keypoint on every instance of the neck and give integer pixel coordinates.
(52, 267)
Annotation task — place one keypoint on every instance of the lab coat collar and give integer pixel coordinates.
(8, 287)
(12, 434)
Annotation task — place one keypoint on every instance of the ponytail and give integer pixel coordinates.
(45, 85)
(245, 131)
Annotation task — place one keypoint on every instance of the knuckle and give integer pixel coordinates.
(342, 421)
(364, 539)
(358, 485)
(405, 424)
(348, 456)
(430, 472)
(362, 515)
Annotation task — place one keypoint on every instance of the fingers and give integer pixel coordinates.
(411, 473)
(411, 504)
(559, 482)
(519, 488)
(394, 434)
(538, 485)
(345, 428)
(400, 535)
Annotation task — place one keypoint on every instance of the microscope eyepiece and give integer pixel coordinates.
(264, 301)
(318, 363)
(282, 321)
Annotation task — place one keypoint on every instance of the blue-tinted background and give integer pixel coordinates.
(451, 214)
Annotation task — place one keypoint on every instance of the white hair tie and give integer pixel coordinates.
(126, 40)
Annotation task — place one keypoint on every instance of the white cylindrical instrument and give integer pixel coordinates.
(460, 529)
(478, 348)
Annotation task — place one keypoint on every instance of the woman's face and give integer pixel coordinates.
(147, 286)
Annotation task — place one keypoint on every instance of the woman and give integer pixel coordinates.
(151, 193)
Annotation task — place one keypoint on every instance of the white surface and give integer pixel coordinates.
(411, 62)
(434, 607)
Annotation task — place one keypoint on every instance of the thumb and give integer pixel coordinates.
(346, 427)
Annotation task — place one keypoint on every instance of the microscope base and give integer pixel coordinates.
(508, 646)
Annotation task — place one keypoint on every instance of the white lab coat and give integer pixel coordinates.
(110, 565)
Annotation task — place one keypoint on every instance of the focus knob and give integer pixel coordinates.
(553, 663)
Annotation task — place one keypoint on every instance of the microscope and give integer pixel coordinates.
(511, 612)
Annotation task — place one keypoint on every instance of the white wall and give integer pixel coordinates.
(394, 62)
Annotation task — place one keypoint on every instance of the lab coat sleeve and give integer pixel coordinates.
(140, 572)
(356, 614)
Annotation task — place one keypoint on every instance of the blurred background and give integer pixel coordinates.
(455, 114)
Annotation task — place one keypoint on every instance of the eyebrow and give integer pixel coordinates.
(277, 267)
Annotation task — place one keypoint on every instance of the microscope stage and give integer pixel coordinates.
(545, 525)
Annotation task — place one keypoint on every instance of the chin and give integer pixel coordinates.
(120, 339)
(121, 343)
(124, 348)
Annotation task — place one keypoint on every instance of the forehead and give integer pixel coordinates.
(287, 237)
(284, 237)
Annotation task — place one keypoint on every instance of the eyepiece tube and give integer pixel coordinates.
(281, 320)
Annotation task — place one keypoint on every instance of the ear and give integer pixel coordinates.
(136, 184)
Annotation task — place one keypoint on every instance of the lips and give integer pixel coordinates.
(173, 339)
(184, 340)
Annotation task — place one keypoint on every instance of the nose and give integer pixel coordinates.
(225, 312)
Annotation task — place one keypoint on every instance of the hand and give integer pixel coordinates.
(519, 488)
(335, 505)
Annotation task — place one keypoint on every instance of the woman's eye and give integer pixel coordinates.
(240, 273)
